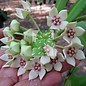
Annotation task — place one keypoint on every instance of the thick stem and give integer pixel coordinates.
(36, 25)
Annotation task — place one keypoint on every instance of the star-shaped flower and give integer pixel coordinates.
(37, 69)
(72, 52)
(55, 63)
(15, 62)
(22, 13)
(57, 20)
(72, 31)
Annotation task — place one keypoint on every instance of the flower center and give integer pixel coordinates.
(56, 21)
(70, 33)
(71, 51)
(47, 49)
(22, 62)
(54, 61)
(37, 66)
(10, 57)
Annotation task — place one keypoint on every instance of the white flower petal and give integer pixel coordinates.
(33, 74)
(67, 39)
(29, 65)
(63, 14)
(21, 71)
(77, 41)
(52, 53)
(15, 64)
(45, 59)
(58, 66)
(79, 31)
(42, 73)
(49, 23)
(4, 40)
(71, 25)
(60, 57)
(4, 57)
(26, 5)
(4, 47)
(19, 13)
(63, 24)
(71, 61)
(53, 12)
(8, 63)
(80, 55)
(48, 67)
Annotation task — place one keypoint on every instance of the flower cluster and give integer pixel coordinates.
(37, 50)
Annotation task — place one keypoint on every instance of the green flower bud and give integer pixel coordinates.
(15, 47)
(29, 36)
(7, 31)
(26, 51)
(15, 25)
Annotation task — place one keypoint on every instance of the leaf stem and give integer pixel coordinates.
(32, 19)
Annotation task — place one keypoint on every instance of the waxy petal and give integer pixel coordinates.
(4, 57)
(33, 74)
(21, 71)
(58, 66)
(4, 40)
(61, 58)
(45, 59)
(71, 25)
(48, 67)
(15, 63)
(42, 73)
(26, 5)
(79, 31)
(63, 14)
(77, 42)
(53, 12)
(80, 55)
(63, 25)
(71, 61)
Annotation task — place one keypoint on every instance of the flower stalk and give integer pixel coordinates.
(34, 22)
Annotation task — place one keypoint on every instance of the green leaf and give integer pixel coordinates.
(68, 83)
(60, 4)
(83, 37)
(74, 70)
(76, 10)
(81, 80)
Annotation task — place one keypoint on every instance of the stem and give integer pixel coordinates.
(58, 46)
(36, 25)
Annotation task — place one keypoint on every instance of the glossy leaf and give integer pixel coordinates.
(60, 4)
(76, 10)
